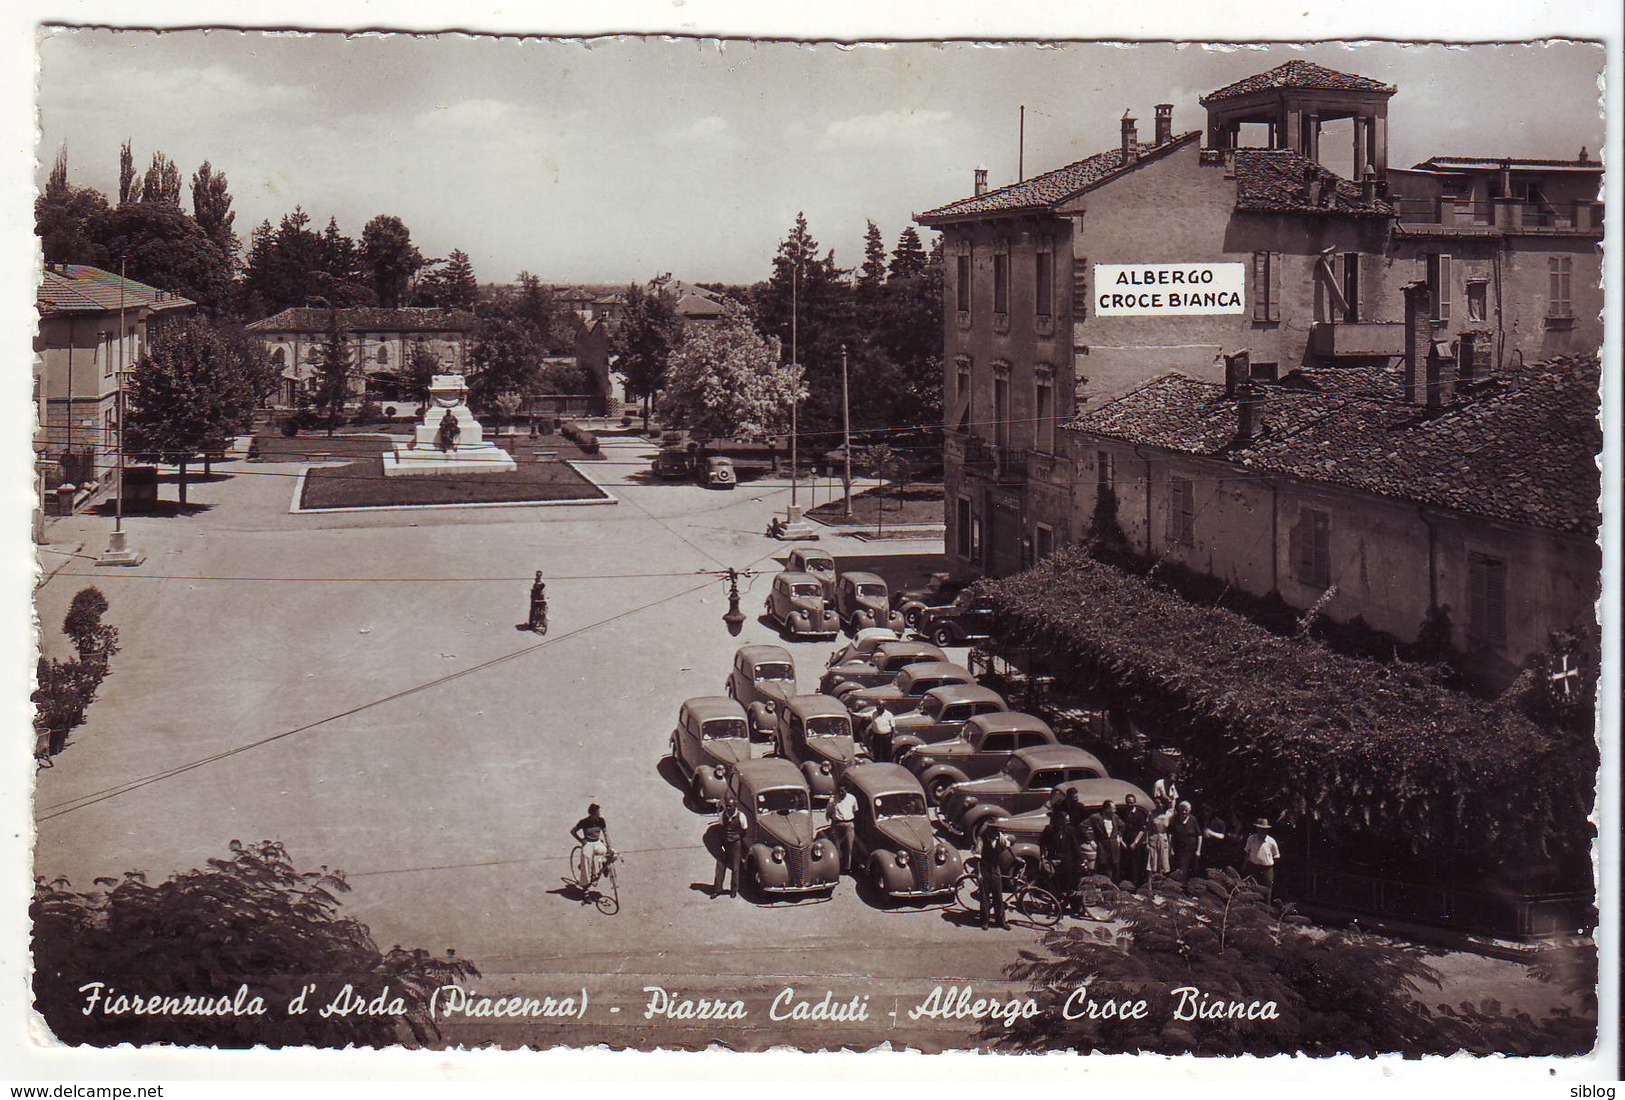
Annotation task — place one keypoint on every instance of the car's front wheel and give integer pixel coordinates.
(912, 616)
(943, 636)
(939, 788)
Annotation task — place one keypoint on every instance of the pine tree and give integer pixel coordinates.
(459, 289)
(339, 258)
(908, 259)
(57, 185)
(872, 277)
(335, 366)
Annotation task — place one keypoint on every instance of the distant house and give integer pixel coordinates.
(92, 324)
(381, 340)
(695, 305)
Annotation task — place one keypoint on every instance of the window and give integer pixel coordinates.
(107, 355)
(383, 354)
(1044, 281)
(1001, 404)
(1437, 267)
(1486, 600)
(1105, 472)
(1044, 411)
(1001, 277)
(962, 279)
(1264, 372)
(1561, 275)
(1477, 300)
(1266, 286)
(1181, 511)
(975, 538)
(1043, 541)
(1313, 551)
(962, 529)
(279, 359)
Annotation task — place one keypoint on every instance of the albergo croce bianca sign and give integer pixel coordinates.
(1140, 290)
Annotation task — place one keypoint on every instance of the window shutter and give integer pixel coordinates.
(1080, 288)
(1275, 286)
(1261, 286)
(1444, 288)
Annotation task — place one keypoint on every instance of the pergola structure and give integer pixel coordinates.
(1295, 100)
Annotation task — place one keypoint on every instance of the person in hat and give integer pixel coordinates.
(732, 856)
(1060, 846)
(995, 860)
(1262, 853)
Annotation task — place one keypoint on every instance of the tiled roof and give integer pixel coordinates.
(1053, 187)
(1271, 181)
(1515, 162)
(369, 319)
(80, 288)
(1298, 74)
(1519, 447)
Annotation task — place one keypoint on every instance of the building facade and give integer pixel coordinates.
(381, 340)
(1321, 263)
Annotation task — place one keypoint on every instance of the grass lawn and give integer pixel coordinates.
(917, 502)
(362, 484)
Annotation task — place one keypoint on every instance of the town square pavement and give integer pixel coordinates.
(354, 686)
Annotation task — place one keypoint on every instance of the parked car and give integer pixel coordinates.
(983, 747)
(796, 604)
(718, 473)
(711, 736)
(893, 841)
(938, 590)
(819, 563)
(862, 648)
(1027, 829)
(762, 679)
(783, 853)
(1026, 783)
(968, 619)
(941, 717)
(882, 667)
(673, 462)
(861, 600)
(907, 691)
(814, 732)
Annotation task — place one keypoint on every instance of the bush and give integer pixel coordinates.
(582, 438)
(84, 616)
(66, 689)
(291, 426)
(369, 413)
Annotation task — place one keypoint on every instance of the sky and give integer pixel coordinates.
(619, 159)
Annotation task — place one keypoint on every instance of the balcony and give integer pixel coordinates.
(984, 460)
(1503, 215)
(1365, 340)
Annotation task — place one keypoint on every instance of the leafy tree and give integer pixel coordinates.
(128, 189)
(254, 289)
(422, 364)
(503, 358)
(189, 390)
(211, 209)
(70, 221)
(162, 184)
(726, 379)
(336, 366)
(161, 246)
(251, 919)
(533, 303)
(642, 343)
(809, 289)
(390, 259)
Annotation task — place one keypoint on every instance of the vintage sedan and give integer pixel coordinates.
(967, 620)
(819, 563)
(939, 589)
(908, 690)
(762, 679)
(861, 649)
(1027, 783)
(893, 840)
(883, 666)
(1026, 830)
(941, 716)
(814, 732)
(861, 600)
(718, 473)
(711, 736)
(796, 604)
(984, 747)
(783, 853)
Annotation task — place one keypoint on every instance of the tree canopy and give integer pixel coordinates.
(390, 259)
(724, 379)
(643, 341)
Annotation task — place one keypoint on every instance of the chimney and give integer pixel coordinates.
(981, 179)
(1418, 336)
(1165, 125)
(1238, 372)
(1441, 375)
(1328, 187)
(1368, 187)
(1131, 140)
(1306, 193)
(1250, 409)
(1585, 157)
(1466, 359)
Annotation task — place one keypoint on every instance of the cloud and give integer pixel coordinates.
(214, 90)
(887, 128)
(711, 132)
(472, 117)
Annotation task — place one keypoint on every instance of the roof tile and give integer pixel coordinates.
(1298, 73)
(368, 319)
(80, 288)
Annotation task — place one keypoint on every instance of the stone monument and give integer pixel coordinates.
(449, 440)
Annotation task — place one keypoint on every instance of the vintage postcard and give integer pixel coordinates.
(662, 543)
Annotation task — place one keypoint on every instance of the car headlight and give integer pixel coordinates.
(901, 859)
(817, 851)
(824, 767)
(778, 854)
(720, 771)
(970, 801)
(941, 855)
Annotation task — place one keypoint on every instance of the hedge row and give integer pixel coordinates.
(582, 438)
(1382, 757)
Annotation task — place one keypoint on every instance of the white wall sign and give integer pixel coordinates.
(1167, 290)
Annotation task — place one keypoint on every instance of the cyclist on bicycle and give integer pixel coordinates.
(592, 833)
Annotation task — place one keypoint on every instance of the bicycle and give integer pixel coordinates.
(608, 903)
(1037, 904)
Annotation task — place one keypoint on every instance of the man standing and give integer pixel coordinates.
(843, 814)
(1262, 853)
(882, 727)
(1060, 842)
(1107, 830)
(994, 859)
(733, 849)
(538, 605)
(1185, 833)
(1135, 823)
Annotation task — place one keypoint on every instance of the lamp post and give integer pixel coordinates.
(846, 435)
(795, 361)
(733, 617)
(118, 550)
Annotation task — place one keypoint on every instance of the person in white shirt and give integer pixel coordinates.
(843, 814)
(1262, 854)
(882, 726)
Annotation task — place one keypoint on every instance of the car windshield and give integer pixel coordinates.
(831, 725)
(775, 670)
(875, 591)
(719, 729)
(805, 589)
(932, 707)
(818, 565)
(783, 800)
(902, 804)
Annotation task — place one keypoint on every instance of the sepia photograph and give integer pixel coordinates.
(671, 543)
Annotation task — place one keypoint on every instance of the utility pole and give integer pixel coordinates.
(118, 552)
(795, 361)
(846, 433)
(1021, 147)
